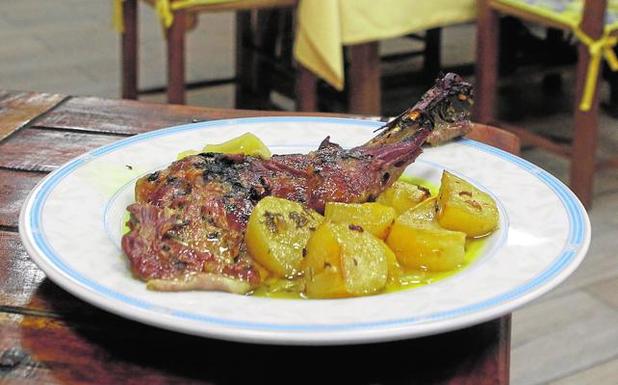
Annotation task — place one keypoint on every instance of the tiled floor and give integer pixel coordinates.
(569, 336)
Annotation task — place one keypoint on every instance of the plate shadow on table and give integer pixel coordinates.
(81, 343)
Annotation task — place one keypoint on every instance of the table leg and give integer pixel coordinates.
(364, 79)
(504, 350)
(306, 90)
(490, 354)
(176, 59)
(129, 42)
(486, 62)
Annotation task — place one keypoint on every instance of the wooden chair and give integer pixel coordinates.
(590, 28)
(181, 19)
(496, 137)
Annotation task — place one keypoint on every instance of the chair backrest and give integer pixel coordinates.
(593, 19)
(496, 137)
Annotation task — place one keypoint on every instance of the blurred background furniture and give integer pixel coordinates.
(179, 16)
(324, 29)
(595, 29)
(335, 44)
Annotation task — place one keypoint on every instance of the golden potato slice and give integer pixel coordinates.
(394, 268)
(419, 242)
(247, 144)
(344, 260)
(403, 196)
(326, 284)
(373, 217)
(463, 207)
(277, 233)
(322, 265)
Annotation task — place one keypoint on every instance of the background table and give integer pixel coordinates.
(325, 28)
(48, 336)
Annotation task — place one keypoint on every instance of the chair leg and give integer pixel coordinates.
(176, 59)
(245, 71)
(583, 149)
(306, 90)
(129, 50)
(364, 79)
(431, 54)
(267, 35)
(486, 62)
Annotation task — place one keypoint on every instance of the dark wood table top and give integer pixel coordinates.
(48, 336)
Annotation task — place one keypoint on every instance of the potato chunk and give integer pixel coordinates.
(419, 242)
(373, 217)
(463, 207)
(394, 268)
(344, 260)
(277, 232)
(322, 265)
(247, 144)
(403, 196)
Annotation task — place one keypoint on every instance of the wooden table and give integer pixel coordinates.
(48, 336)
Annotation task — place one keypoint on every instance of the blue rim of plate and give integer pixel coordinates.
(576, 239)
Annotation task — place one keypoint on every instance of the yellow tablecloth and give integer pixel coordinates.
(325, 26)
(165, 8)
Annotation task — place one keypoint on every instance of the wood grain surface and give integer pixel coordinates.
(17, 109)
(127, 117)
(14, 187)
(48, 336)
(33, 149)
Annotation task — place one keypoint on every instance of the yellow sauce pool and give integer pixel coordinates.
(292, 289)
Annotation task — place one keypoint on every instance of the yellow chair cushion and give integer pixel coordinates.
(165, 8)
(568, 13)
(563, 12)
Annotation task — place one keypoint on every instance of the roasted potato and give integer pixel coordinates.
(373, 217)
(394, 268)
(419, 242)
(277, 233)
(403, 196)
(344, 260)
(463, 207)
(247, 144)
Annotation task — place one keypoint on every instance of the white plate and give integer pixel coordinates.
(71, 226)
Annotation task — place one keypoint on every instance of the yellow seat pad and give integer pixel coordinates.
(564, 12)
